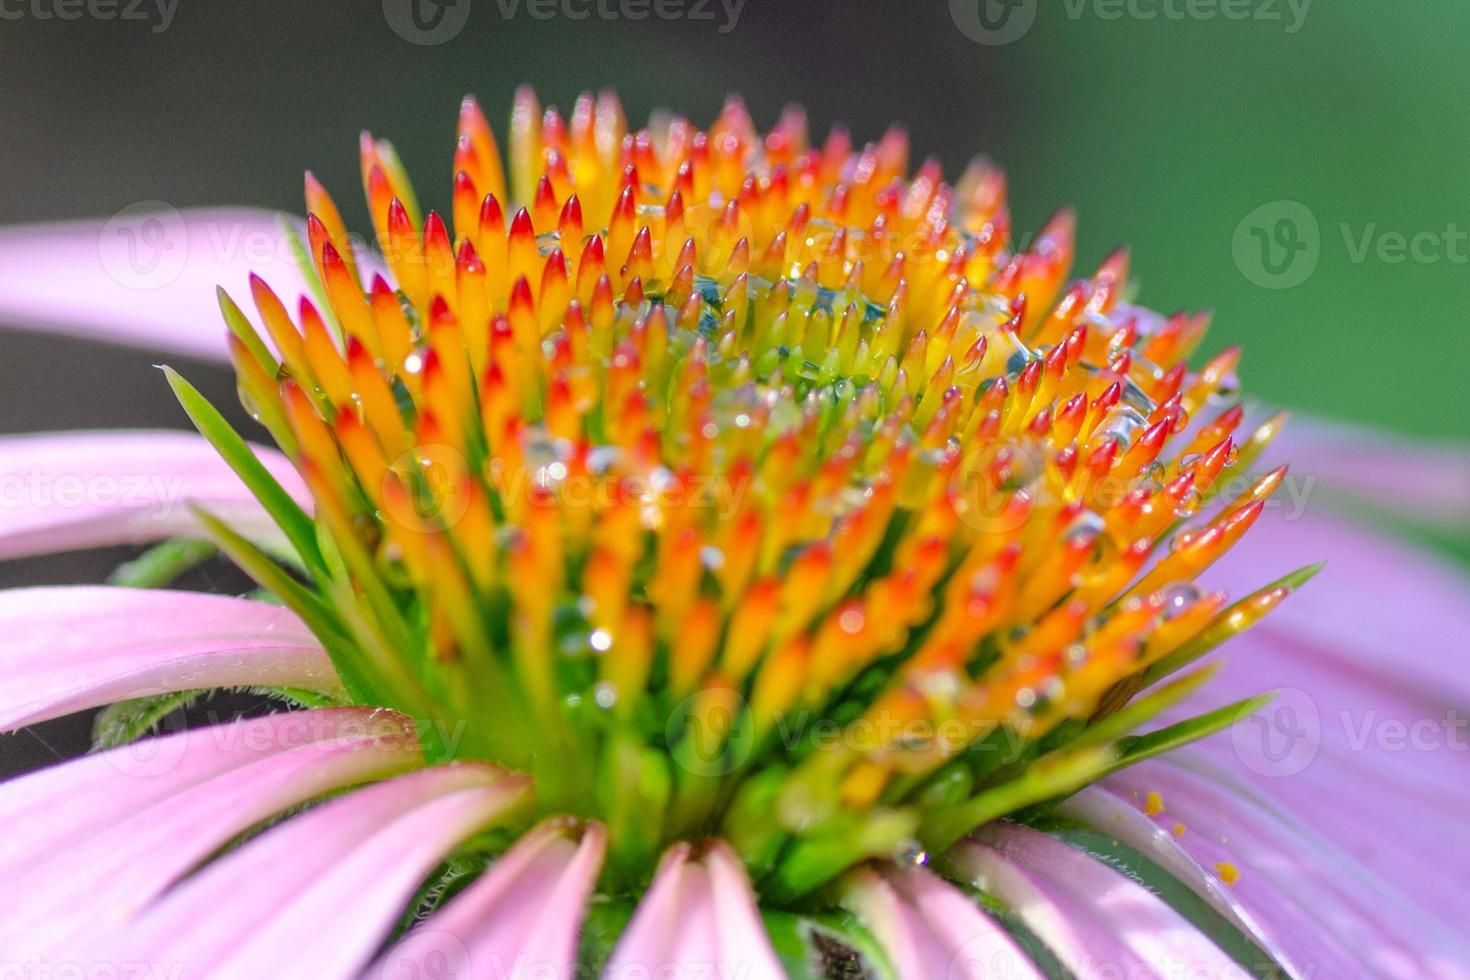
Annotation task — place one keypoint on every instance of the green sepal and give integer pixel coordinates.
(1053, 776)
(1124, 720)
(809, 863)
(297, 697)
(161, 564)
(1221, 629)
(125, 722)
(246, 333)
(635, 792)
(1137, 748)
(602, 924)
(317, 615)
(287, 514)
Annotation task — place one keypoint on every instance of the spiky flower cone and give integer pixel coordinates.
(734, 485)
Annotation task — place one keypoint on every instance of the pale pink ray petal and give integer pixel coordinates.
(519, 921)
(699, 917)
(1297, 949)
(736, 912)
(1290, 877)
(314, 897)
(46, 811)
(103, 879)
(146, 277)
(647, 942)
(73, 647)
(1371, 723)
(1421, 481)
(1096, 920)
(69, 490)
(928, 928)
(1347, 752)
(1379, 603)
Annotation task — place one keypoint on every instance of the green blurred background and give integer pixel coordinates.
(1165, 133)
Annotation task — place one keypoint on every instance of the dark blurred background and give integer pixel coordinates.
(1335, 129)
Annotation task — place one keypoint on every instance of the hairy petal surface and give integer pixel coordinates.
(1295, 949)
(1315, 899)
(75, 647)
(69, 490)
(1097, 921)
(52, 808)
(326, 885)
(1367, 744)
(698, 915)
(147, 277)
(929, 928)
(519, 920)
(102, 878)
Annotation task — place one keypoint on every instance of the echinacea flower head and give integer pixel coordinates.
(718, 549)
(739, 487)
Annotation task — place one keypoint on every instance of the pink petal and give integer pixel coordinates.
(928, 928)
(1379, 603)
(47, 810)
(1348, 754)
(146, 277)
(104, 878)
(699, 914)
(520, 920)
(1295, 949)
(1368, 741)
(1097, 921)
(1310, 897)
(62, 491)
(76, 647)
(1420, 481)
(314, 897)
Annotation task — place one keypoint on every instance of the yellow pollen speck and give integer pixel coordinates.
(1228, 873)
(1153, 804)
(1179, 830)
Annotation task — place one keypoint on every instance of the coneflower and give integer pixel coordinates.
(730, 559)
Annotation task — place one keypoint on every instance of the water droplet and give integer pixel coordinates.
(248, 403)
(1190, 505)
(1178, 599)
(912, 854)
(602, 459)
(601, 640)
(605, 695)
(1087, 522)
